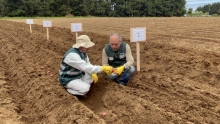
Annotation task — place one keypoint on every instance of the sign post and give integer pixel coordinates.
(47, 24)
(76, 27)
(30, 21)
(136, 35)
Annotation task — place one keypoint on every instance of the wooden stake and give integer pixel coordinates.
(138, 55)
(76, 35)
(47, 34)
(30, 29)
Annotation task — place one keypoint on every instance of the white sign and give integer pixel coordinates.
(138, 34)
(29, 21)
(47, 24)
(76, 27)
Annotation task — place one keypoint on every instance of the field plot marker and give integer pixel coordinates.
(137, 35)
(47, 24)
(76, 27)
(29, 22)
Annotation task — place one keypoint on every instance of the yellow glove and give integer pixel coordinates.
(119, 70)
(107, 69)
(95, 78)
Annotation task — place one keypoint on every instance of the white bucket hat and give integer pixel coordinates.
(83, 41)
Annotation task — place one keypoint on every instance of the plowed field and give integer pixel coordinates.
(178, 81)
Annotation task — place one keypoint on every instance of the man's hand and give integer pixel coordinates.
(119, 70)
(95, 78)
(107, 69)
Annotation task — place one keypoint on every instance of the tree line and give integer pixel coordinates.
(210, 8)
(102, 8)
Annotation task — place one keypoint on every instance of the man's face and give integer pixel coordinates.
(115, 42)
(84, 50)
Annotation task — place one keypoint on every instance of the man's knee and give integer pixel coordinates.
(112, 76)
(82, 90)
(131, 69)
(85, 89)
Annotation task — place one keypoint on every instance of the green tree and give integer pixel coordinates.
(150, 8)
(214, 9)
(210, 8)
(189, 12)
(78, 8)
(30, 7)
(14, 8)
(168, 8)
(3, 10)
(58, 9)
(44, 9)
(179, 8)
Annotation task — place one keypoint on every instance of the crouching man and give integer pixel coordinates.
(76, 73)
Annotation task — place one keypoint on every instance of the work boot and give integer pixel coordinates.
(81, 96)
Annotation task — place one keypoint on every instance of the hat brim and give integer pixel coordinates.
(87, 45)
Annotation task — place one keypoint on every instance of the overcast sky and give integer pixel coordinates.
(196, 3)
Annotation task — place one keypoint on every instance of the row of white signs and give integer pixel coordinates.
(75, 27)
(137, 34)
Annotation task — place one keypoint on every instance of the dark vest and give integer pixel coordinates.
(116, 58)
(67, 72)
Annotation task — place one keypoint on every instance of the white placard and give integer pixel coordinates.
(138, 34)
(76, 27)
(47, 24)
(29, 21)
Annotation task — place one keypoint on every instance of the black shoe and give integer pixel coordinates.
(115, 80)
(81, 96)
(122, 83)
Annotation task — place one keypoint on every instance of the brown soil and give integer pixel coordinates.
(178, 81)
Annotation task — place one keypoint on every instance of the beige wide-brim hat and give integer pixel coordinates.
(83, 41)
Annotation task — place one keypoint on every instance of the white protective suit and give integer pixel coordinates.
(80, 86)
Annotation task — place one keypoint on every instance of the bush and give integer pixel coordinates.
(214, 15)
